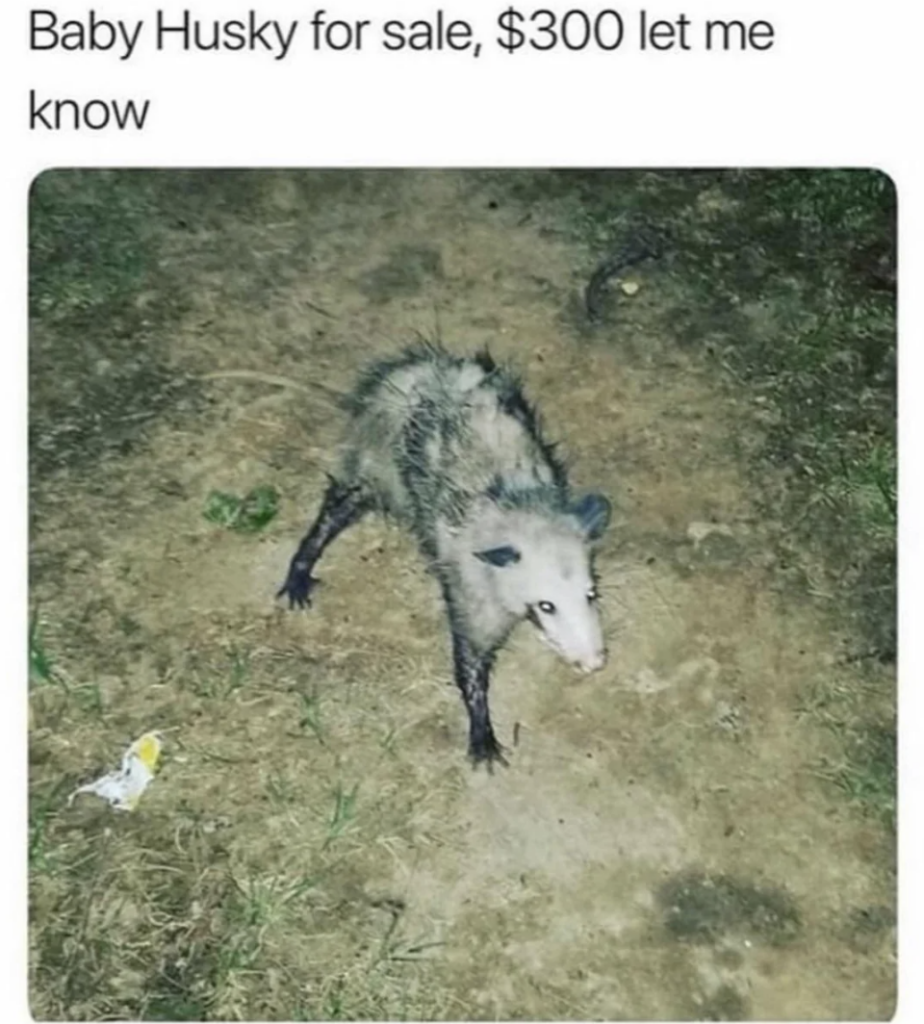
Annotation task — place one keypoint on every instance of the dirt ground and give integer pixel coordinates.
(316, 843)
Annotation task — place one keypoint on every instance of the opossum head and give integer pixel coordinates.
(541, 569)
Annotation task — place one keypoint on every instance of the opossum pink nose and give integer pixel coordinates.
(593, 664)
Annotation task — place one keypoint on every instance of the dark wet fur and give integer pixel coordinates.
(341, 507)
(473, 677)
(435, 489)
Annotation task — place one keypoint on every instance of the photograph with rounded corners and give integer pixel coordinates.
(462, 594)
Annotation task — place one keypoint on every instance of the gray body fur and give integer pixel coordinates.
(449, 447)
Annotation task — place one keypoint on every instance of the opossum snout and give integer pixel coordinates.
(591, 664)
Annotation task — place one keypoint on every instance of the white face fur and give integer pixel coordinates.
(546, 577)
(561, 602)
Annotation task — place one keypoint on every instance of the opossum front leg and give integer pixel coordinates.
(473, 672)
(342, 506)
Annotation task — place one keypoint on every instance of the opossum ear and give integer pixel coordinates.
(593, 513)
(499, 557)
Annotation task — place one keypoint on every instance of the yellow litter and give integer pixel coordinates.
(124, 787)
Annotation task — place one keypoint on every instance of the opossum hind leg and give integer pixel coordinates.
(342, 506)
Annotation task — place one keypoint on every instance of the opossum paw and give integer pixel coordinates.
(486, 748)
(298, 588)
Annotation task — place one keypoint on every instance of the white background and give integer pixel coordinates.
(840, 87)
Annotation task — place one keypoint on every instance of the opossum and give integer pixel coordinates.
(449, 446)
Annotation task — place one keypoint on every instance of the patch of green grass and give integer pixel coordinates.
(867, 773)
(240, 670)
(343, 814)
(247, 514)
(310, 715)
(175, 1007)
(261, 900)
(44, 672)
(41, 667)
(866, 770)
(92, 244)
(105, 291)
(89, 697)
(43, 857)
(101, 299)
(220, 678)
(333, 1003)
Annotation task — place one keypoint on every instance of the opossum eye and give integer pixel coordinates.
(593, 594)
(499, 557)
(546, 607)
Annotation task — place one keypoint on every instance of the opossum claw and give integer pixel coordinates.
(486, 748)
(298, 587)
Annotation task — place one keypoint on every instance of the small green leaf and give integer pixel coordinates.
(259, 506)
(248, 514)
(223, 509)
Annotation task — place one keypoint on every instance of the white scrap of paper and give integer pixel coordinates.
(123, 788)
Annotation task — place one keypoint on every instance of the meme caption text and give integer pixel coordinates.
(515, 29)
